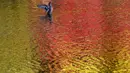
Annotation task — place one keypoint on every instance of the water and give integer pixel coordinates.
(85, 37)
(15, 49)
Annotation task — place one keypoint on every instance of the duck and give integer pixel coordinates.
(48, 8)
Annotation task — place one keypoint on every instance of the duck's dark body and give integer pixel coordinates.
(48, 9)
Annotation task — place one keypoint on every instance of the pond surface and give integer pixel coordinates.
(15, 46)
(86, 36)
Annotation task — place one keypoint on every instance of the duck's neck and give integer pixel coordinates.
(49, 4)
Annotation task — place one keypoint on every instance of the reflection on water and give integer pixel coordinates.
(15, 46)
(75, 43)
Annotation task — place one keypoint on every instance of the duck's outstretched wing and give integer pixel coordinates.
(43, 7)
